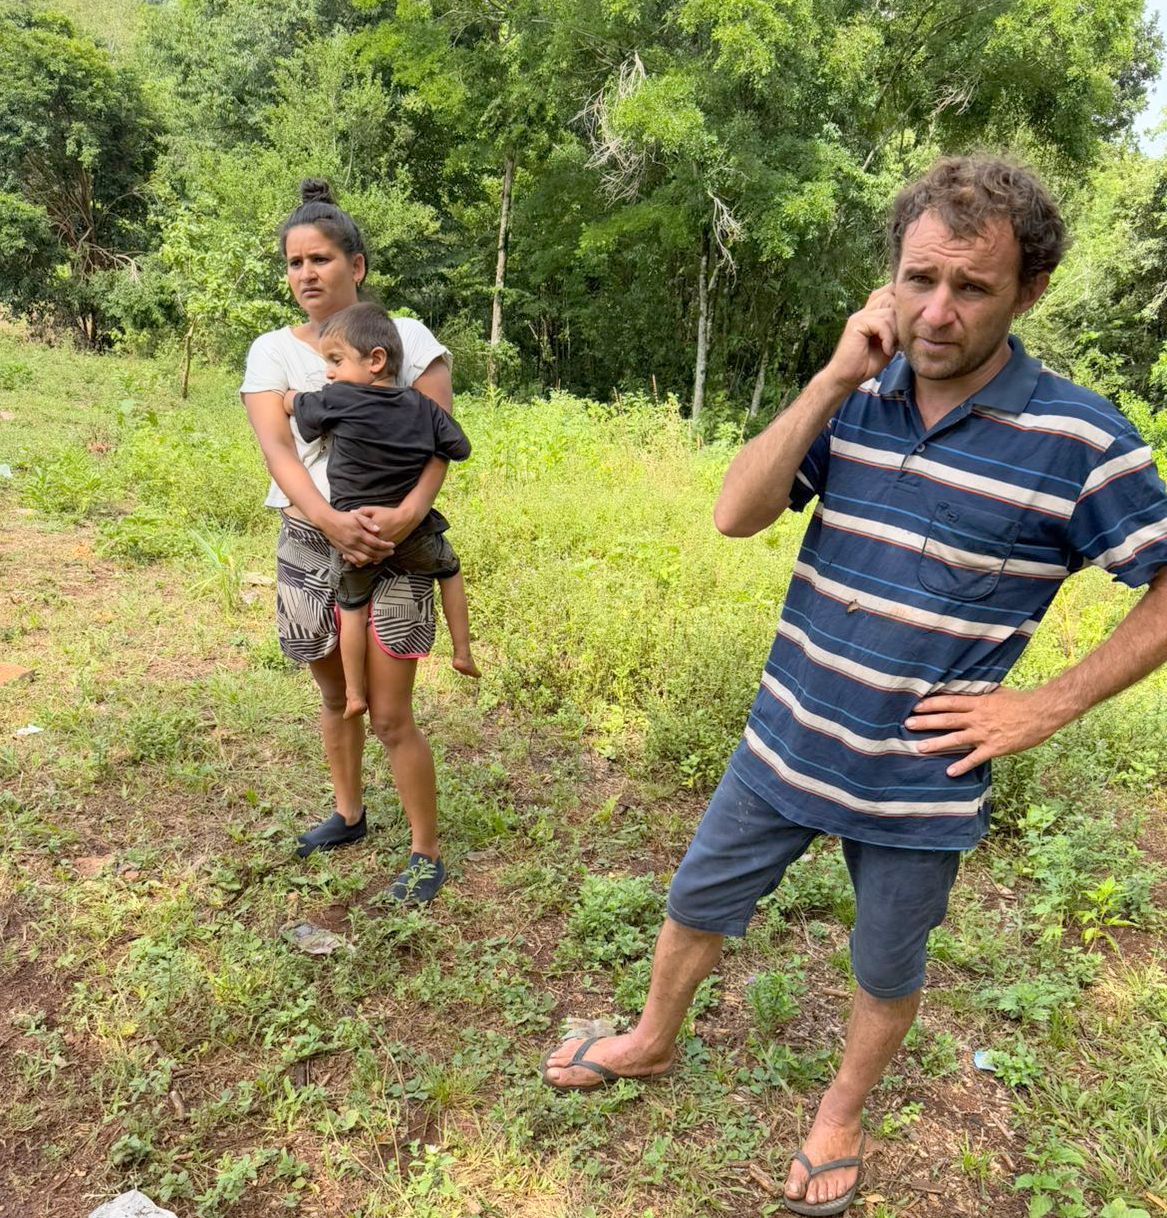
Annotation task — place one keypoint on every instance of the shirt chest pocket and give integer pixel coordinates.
(965, 551)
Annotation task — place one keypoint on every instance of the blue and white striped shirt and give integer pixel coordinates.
(929, 561)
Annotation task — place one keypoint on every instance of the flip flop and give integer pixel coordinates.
(605, 1075)
(826, 1208)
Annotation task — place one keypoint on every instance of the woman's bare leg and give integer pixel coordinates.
(344, 739)
(352, 655)
(390, 692)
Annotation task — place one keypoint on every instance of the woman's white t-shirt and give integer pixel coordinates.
(279, 361)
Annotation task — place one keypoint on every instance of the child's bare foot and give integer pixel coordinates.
(354, 707)
(466, 666)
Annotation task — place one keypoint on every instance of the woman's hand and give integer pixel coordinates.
(356, 535)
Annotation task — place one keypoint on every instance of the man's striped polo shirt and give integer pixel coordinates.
(929, 561)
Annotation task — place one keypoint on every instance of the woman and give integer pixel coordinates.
(325, 258)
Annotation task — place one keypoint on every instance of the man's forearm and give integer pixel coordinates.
(1006, 721)
(757, 485)
(1135, 648)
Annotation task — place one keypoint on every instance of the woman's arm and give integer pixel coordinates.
(435, 382)
(355, 534)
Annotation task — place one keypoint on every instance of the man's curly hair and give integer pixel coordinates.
(968, 192)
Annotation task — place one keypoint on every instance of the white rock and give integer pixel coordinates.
(131, 1205)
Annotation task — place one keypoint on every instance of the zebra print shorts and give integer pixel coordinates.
(402, 608)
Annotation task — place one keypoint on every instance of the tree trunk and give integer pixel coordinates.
(187, 351)
(759, 382)
(702, 331)
(500, 270)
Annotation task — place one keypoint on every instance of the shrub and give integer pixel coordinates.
(615, 921)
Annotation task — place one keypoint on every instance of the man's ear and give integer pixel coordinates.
(378, 358)
(1031, 293)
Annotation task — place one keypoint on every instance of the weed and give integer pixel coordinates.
(614, 921)
(894, 1124)
(1016, 1067)
(68, 485)
(773, 996)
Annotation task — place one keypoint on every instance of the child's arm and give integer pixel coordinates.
(450, 442)
(395, 523)
(310, 411)
(290, 402)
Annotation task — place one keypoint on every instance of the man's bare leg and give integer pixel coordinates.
(876, 1030)
(352, 654)
(682, 960)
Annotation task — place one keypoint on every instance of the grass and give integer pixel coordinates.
(158, 1032)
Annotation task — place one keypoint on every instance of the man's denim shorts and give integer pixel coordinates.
(741, 850)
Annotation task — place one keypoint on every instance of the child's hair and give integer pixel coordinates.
(318, 208)
(364, 327)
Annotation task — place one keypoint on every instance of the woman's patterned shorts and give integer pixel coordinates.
(402, 608)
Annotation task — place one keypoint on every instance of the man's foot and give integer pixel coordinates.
(466, 666)
(418, 884)
(830, 1191)
(330, 834)
(620, 1055)
(354, 707)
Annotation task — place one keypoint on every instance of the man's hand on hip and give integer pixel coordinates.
(988, 725)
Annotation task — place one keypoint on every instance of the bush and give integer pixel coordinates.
(615, 921)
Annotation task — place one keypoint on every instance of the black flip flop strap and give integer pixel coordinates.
(833, 1165)
(607, 1075)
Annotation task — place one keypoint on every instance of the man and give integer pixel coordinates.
(959, 483)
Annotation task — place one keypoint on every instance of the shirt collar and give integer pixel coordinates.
(1010, 390)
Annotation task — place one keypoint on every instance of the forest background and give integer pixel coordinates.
(690, 195)
(680, 196)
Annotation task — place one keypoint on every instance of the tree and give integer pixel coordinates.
(77, 144)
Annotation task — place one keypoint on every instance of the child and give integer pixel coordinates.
(382, 439)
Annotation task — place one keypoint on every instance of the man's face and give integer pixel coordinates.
(345, 363)
(956, 298)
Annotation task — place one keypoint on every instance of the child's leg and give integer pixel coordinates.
(353, 623)
(457, 614)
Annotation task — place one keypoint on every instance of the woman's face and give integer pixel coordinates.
(323, 278)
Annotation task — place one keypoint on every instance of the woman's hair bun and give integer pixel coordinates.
(316, 190)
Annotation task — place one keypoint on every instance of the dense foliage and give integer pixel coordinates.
(689, 194)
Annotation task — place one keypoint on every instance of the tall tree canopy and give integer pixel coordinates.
(598, 194)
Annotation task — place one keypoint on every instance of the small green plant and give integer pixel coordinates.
(773, 996)
(146, 534)
(778, 1065)
(615, 920)
(902, 1119)
(1055, 1185)
(975, 1163)
(1033, 1002)
(225, 580)
(69, 485)
(1016, 1067)
(1101, 912)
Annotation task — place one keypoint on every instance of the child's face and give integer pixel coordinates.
(345, 363)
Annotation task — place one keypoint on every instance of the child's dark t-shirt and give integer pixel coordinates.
(381, 438)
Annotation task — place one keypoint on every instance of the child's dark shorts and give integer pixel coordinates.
(428, 554)
(741, 850)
